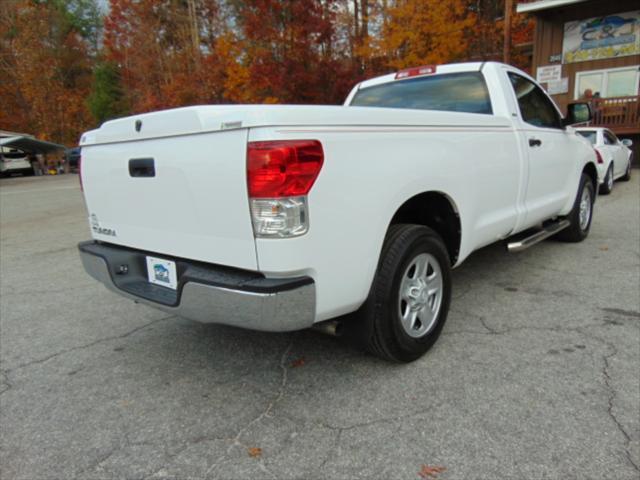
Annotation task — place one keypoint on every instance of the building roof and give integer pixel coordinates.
(27, 143)
(6, 133)
(540, 5)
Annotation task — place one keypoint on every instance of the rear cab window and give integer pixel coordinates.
(453, 92)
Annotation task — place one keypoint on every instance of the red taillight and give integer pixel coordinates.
(283, 168)
(80, 173)
(416, 71)
(598, 156)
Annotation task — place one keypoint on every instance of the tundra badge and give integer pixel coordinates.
(95, 226)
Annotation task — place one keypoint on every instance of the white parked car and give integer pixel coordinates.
(279, 217)
(614, 156)
(14, 161)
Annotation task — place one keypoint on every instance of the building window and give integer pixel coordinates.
(615, 82)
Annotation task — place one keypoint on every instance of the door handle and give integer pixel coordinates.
(142, 167)
(535, 142)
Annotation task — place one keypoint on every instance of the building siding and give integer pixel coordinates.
(550, 31)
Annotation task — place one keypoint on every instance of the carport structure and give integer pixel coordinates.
(27, 144)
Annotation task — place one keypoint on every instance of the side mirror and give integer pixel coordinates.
(577, 113)
(626, 142)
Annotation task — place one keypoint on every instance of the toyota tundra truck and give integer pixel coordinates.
(280, 217)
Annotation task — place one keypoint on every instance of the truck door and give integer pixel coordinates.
(548, 147)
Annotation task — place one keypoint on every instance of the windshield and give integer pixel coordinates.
(455, 92)
(589, 135)
(11, 153)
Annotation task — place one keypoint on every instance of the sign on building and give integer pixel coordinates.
(612, 36)
(548, 73)
(559, 86)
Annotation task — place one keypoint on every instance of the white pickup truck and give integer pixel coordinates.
(282, 217)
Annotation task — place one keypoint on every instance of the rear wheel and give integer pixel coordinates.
(607, 185)
(627, 174)
(581, 214)
(409, 300)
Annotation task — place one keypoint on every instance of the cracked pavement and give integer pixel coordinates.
(534, 377)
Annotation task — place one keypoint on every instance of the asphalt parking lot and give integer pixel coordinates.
(535, 376)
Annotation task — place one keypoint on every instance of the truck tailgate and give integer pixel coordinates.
(182, 196)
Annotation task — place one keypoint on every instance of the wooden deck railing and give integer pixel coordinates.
(620, 114)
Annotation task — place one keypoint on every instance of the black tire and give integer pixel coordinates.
(627, 175)
(577, 232)
(380, 319)
(607, 184)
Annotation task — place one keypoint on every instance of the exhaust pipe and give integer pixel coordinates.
(330, 327)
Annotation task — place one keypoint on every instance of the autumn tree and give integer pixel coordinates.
(84, 17)
(162, 51)
(419, 32)
(45, 72)
(485, 38)
(521, 34)
(288, 51)
(107, 99)
(63, 68)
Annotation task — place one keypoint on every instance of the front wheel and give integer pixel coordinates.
(581, 213)
(409, 300)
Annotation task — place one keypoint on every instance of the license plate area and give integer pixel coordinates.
(162, 272)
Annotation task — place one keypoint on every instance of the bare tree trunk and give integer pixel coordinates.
(506, 54)
(356, 21)
(364, 30)
(385, 16)
(356, 34)
(193, 28)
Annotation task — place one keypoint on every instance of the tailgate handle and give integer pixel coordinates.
(142, 167)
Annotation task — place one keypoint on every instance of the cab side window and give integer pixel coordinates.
(535, 106)
(609, 138)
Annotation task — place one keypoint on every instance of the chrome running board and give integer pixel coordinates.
(526, 242)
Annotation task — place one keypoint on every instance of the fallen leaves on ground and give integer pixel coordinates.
(604, 248)
(298, 363)
(254, 452)
(430, 471)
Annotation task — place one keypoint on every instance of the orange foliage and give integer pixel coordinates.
(169, 53)
(485, 38)
(45, 74)
(421, 32)
(174, 53)
(285, 53)
(179, 53)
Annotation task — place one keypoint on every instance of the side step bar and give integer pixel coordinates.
(526, 242)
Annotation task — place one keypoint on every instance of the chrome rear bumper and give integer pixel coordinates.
(206, 293)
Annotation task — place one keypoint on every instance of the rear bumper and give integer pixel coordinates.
(16, 169)
(206, 293)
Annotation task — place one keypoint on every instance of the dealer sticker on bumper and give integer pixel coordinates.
(162, 272)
